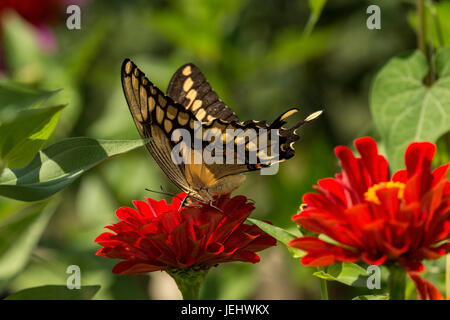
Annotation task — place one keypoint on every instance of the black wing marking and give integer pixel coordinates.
(190, 88)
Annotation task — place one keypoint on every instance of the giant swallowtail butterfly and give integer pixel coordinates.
(190, 98)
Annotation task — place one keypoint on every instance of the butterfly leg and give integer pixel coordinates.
(213, 206)
(184, 201)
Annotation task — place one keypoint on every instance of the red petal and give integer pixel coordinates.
(136, 266)
(418, 157)
(425, 289)
(375, 164)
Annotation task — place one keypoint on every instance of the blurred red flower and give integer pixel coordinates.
(36, 12)
(377, 218)
(159, 236)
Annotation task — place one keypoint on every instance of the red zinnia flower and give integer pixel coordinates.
(36, 12)
(160, 236)
(377, 218)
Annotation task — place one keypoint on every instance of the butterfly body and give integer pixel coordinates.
(191, 106)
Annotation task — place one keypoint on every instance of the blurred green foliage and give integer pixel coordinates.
(262, 57)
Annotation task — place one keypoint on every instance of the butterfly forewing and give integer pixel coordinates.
(190, 88)
(155, 116)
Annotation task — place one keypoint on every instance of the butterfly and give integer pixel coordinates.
(189, 104)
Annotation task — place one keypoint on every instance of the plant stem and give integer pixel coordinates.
(323, 286)
(437, 23)
(421, 28)
(397, 283)
(447, 276)
(189, 281)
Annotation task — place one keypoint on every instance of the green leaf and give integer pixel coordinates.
(404, 109)
(19, 235)
(55, 292)
(58, 165)
(316, 7)
(348, 273)
(14, 97)
(280, 234)
(21, 48)
(23, 136)
(372, 297)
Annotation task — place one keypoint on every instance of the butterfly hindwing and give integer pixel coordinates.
(190, 88)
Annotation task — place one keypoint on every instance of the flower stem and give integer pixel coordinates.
(421, 32)
(323, 286)
(397, 283)
(189, 281)
(447, 276)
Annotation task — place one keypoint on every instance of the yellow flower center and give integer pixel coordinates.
(371, 194)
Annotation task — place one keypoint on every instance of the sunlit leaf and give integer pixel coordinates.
(280, 234)
(22, 136)
(58, 165)
(19, 234)
(404, 109)
(372, 297)
(54, 292)
(348, 273)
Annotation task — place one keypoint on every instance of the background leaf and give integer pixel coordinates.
(372, 297)
(316, 7)
(350, 274)
(58, 165)
(55, 293)
(404, 109)
(21, 47)
(14, 97)
(19, 235)
(23, 136)
(280, 234)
